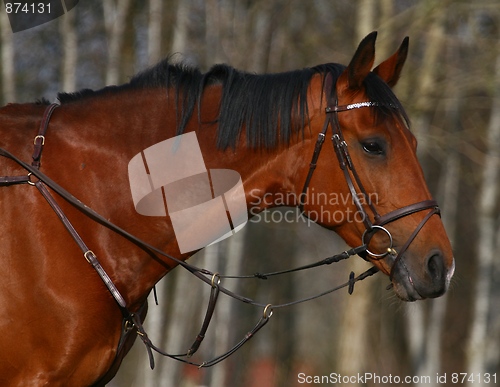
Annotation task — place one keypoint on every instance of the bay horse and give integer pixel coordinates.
(61, 322)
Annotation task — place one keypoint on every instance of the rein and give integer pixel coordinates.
(132, 323)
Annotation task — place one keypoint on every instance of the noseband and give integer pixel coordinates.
(356, 188)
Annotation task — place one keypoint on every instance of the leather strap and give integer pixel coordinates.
(346, 165)
(433, 211)
(39, 140)
(214, 294)
(312, 165)
(12, 180)
(406, 210)
(87, 253)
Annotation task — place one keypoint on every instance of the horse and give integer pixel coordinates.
(62, 324)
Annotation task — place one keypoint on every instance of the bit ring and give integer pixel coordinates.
(375, 255)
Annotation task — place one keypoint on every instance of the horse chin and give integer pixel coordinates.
(405, 289)
(404, 285)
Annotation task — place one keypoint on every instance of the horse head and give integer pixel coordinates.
(382, 199)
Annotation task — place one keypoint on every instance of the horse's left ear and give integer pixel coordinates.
(390, 69)
(361, 63)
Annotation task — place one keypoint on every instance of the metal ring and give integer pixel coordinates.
(213, 280)
(390, 240)
(268, 313)
(29, 179)
(128, 326)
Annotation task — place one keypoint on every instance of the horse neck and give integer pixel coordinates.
(117, 129)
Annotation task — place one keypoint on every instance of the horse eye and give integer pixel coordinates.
(373, 147)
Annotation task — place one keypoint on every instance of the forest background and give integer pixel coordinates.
(451, 89)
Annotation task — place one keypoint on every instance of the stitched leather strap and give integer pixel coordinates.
(407, 210)
(433, 211)
(87, 253)
(39, 140)
(12, 180)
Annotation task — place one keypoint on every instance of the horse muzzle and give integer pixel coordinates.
(429, 281)
(412, 279)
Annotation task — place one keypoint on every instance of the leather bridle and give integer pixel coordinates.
(353, 180)
(131, 322)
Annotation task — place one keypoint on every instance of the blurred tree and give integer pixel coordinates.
(155, 31)
(423, 332)
(8, 72)
(478, 341)
(70, 51)
(354, 336)
(115, 16)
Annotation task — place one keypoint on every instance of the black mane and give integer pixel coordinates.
(272, 107)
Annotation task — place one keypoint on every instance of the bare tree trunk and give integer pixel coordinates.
(448, 198)
(365, 22)
(385, 40)
(115, 16)
(180, 39)
(70, 50)
(423, 338)
(263, 36)
(428, 77)
(155, 30)
(351, 358)
(427, 339)
(214, 22)
(488, 193)
(8, 72)
(492, 347)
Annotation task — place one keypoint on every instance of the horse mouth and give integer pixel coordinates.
(432, 283)
(401, 280)
(404, 287)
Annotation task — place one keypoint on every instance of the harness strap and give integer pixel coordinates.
(13, 180)
(345, 161)
(39, 140)
(87, 253)
(406, 210)
(312, 165)
(433, 211)
(214, 294)
(326, 261)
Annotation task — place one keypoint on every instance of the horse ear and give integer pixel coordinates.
(390, 69)
(361, 62)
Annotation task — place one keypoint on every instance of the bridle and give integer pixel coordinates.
(131, 322)
(353, 180)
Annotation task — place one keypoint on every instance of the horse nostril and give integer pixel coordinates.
(435, 284)
(428, 279)
(435, 267)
